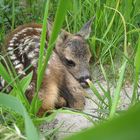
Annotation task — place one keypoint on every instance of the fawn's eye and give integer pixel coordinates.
(69, 63)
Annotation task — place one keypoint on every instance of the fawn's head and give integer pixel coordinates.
(75, 54)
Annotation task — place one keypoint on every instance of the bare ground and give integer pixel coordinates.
(72, 123)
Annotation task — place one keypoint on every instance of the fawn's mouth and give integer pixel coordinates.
(84, 84)
(84, 81)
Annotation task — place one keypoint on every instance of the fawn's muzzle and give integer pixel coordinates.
(83, 81)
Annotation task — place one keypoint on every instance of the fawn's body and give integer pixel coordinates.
(68, 67)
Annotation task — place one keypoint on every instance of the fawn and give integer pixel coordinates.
(68, 68)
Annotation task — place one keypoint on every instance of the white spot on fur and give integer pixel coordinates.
(27, 39)
(31, 54)
(29, 87)
(16, 62)
(24, 30)
(21, 72)
(31, 42)
(13, 57)
(34, 62)
(11, 41)
(19, 66)
(21, 49)
(10, 48)
(11, 52)
(26, 48)
(14, 38)
(11, 44)
(38, 30)
(16, 35)
(29, 28)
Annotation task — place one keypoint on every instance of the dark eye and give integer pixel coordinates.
(70, 63)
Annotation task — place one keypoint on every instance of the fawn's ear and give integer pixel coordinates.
(62, 38)
(86, 29)
(64, 35)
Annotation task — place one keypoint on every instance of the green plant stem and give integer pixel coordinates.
(13, 14)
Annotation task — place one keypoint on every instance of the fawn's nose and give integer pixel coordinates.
(83, 80)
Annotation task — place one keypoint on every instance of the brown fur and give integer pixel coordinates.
(67, 70)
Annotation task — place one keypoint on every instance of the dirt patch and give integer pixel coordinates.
(72, 123)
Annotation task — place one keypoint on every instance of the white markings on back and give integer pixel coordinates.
(11, 44)
(26, 48)
(21, 72)
(31, 54)
(10, 48)
(24, 42)
(13, 57)
(11, 52)
(14, 38)
(18, 66)
(16, 35)
(27, 39)
(11, 41)
(16, 62)
(34, 62)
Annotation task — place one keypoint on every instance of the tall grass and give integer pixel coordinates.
(114, 41)
(136, 77)
(13, 15)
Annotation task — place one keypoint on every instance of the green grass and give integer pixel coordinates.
(114, 42)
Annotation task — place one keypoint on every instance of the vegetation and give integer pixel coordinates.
(114, 41)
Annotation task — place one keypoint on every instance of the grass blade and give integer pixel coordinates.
(118, 90)
(137, 71)
(59, 18)
(25, 83)
(15, 105)
(95, 91)
(42, 44)
(111, 22)
(13, 14)
(4, 73)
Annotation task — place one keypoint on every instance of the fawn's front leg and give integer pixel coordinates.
(50, 98)
(73, 93)
(48, 94)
